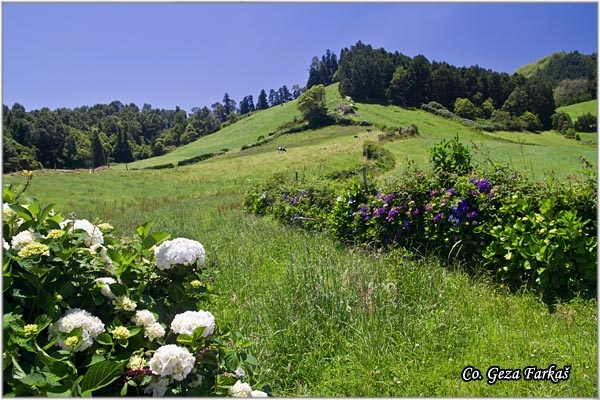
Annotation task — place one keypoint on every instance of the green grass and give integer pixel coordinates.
(332, 321)
(576, 110)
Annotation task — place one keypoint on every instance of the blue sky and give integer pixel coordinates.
(190, 54)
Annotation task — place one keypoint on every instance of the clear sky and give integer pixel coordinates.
(190, 54)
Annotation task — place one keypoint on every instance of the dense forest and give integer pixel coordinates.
(89, 137)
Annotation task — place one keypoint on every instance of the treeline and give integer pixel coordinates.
(89, 137)
(510, 102)
(375, 75)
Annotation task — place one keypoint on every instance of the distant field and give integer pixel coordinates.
(575, 110)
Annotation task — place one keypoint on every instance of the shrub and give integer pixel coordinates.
(525, 234)
(586, 123)
(86, 312)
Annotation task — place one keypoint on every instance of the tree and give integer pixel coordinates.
(312, 105)
(586, 123)
(98, 153)
(530, 122)
(561, 122)
(465, 108)
(262, 103)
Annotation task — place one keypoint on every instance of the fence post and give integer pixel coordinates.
(364, 175)
(296, 176)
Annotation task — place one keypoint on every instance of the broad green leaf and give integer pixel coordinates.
(100, 375)
(105, 339)
(154, 238)
(144, 229)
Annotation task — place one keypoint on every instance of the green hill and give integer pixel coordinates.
(337, 147)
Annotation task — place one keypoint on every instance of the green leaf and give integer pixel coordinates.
(118, 289)
(144, 229)
(100, 375)
(105, 339)
(154, 238)
(249, 358)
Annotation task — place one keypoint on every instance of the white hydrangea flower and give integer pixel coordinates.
(240, 389)
(239, 372)
(172, 361)
(258, 393)
(188, 321)
(135, 362)
(5, 244)
(153, 331)
(143, 318)
(24, 238)
(94, 234)
(77, 318)
(157, 387)
(7, 212)
(124, 303)
(105, 289)
(179, 251)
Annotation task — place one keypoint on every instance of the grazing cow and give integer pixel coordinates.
(281, 149)
(369, 130)
(355, 136)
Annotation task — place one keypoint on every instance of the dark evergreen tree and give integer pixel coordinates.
(262, 103)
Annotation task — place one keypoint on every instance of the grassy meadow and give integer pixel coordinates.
(331, 321)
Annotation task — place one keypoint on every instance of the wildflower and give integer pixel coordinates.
(34, 249)
(406, 224)
(415, 211)
(433, 193)
(91, 325)
(437, 217)
(188, 321)
(22, 239)
(172, 361)
(153, 331)
(124, 303)
(428, 207)
(93, 233)
(451, 192)
(5, 244)
(55, 234)
(135, 362)
(179, 251)
(239, 372)
(143, 318)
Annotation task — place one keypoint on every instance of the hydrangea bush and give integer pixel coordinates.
(542, 235)
(86, 312)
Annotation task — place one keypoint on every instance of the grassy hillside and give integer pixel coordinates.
(328, 148)
(575, 110)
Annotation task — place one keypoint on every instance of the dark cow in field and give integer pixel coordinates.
(281, 149)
